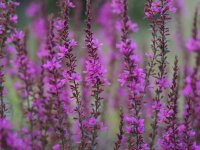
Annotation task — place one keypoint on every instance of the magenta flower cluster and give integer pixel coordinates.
(82, 81)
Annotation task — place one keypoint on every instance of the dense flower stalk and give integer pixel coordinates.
(7, 25)
(133, 78)
(24, 67)
(72, 76)
(38, 28)
(186, 129)
(196, 77)
(2, 42)
(57, 100)
(162, 9)
(95, 73)
(26, 74)
(42, 105)
(150, 70)
(170, 139)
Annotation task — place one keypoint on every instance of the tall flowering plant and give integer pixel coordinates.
(192, 80)
(132, 77)
(7, 26)
(158, 14)
(95, 77)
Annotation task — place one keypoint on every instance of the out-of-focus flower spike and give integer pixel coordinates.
(7, 25)
(171, 113)
(132, 78)
(95, 75)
